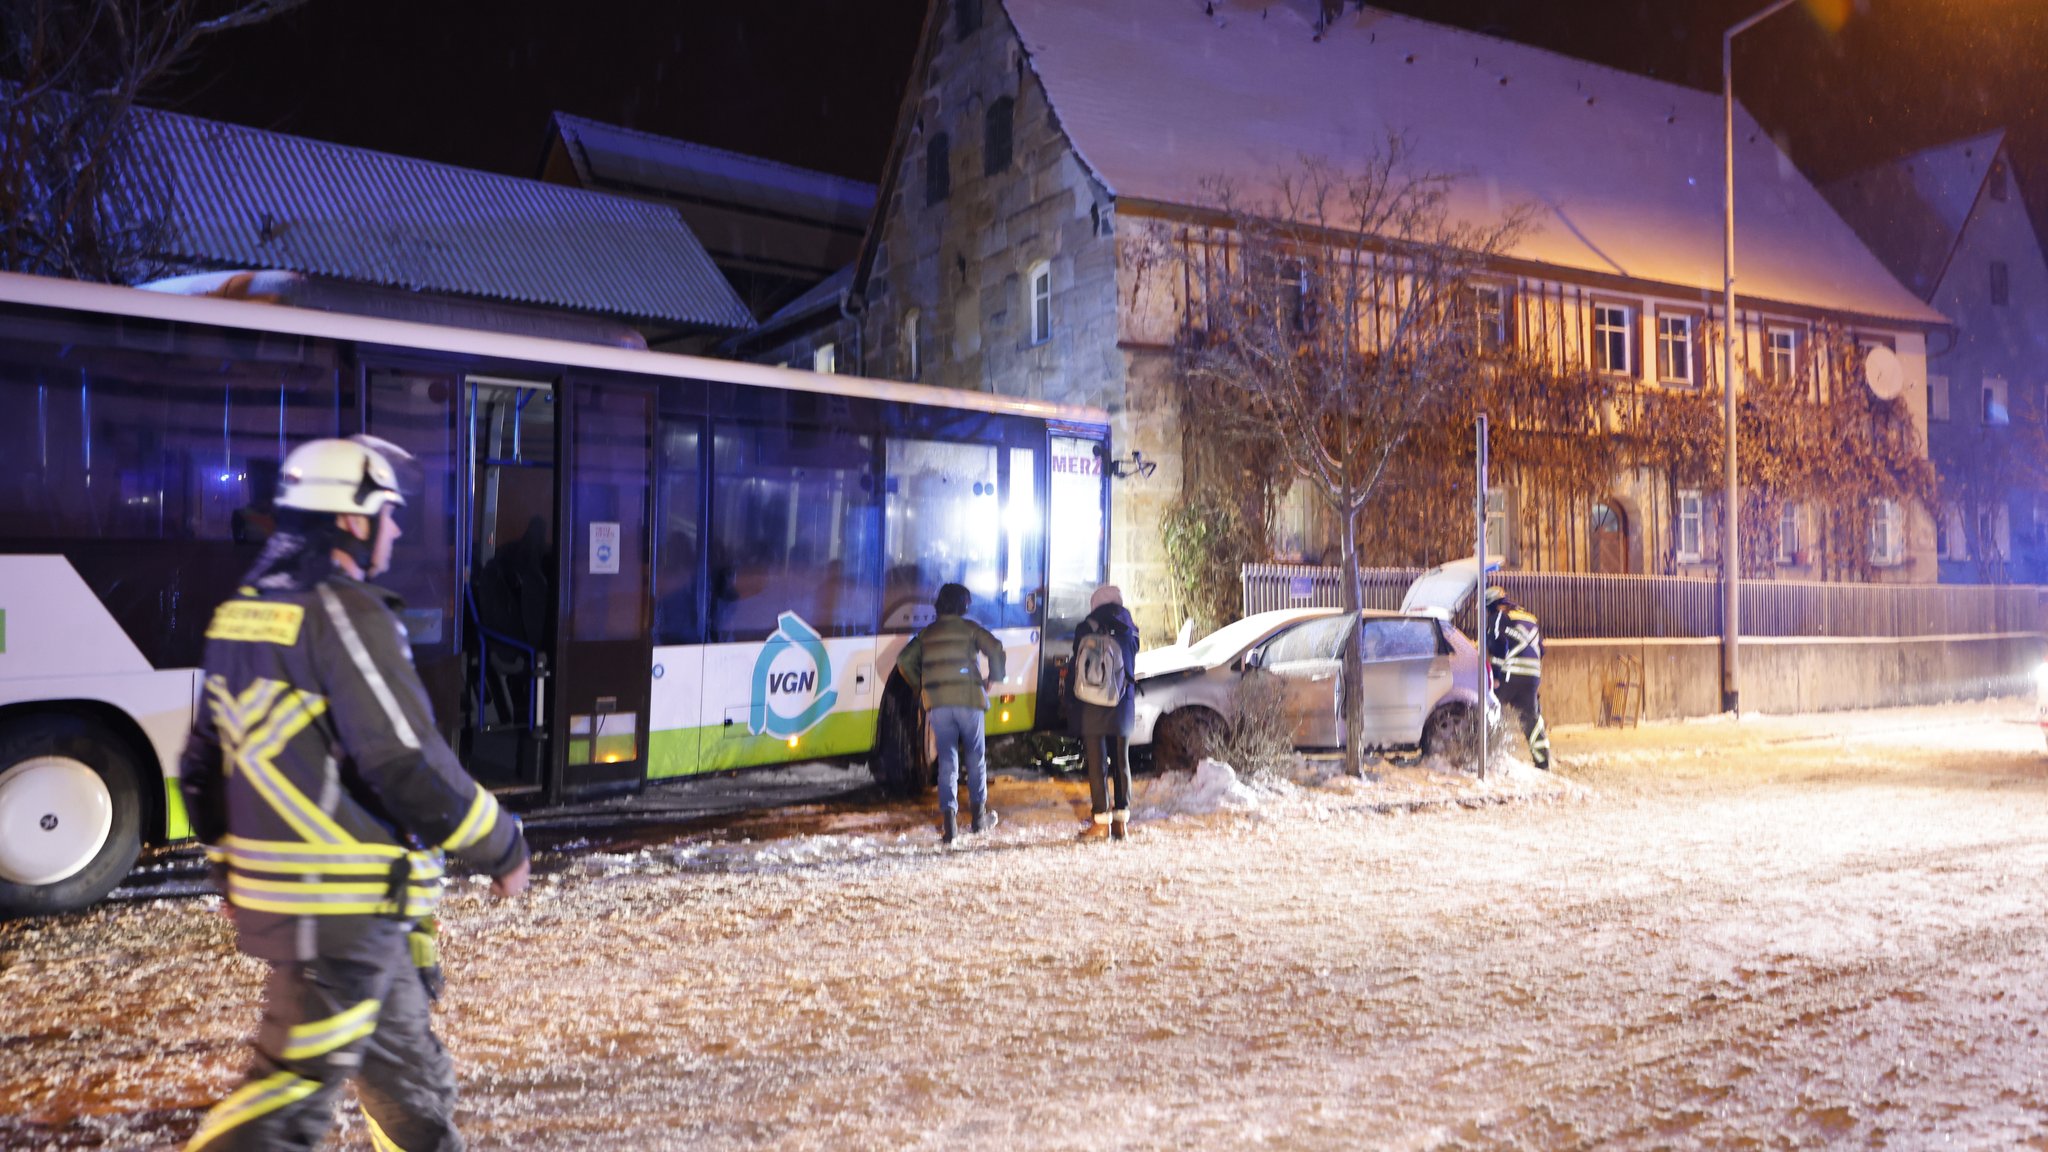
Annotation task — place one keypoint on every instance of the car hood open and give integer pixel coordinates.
(1443, 589)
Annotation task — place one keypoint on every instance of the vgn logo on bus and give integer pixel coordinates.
(792, 681)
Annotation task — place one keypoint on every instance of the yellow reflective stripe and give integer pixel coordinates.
(388, 852)
(483, 816)
(378, 1139)
(334, 887)
(305, 1041)
(335, 898)
(255, 622)
(250, 1102)
(287, 720)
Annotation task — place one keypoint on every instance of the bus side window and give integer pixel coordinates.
(795, 527)
(677, 619)
(944, 526)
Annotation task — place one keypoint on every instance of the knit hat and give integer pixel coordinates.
(1107, 594)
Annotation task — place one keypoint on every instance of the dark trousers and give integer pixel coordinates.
(1109, 774)
(328, 1022)
(1519, 695)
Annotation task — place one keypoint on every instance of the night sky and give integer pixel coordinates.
(1843, 83)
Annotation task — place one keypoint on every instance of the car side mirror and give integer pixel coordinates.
(1252, 659)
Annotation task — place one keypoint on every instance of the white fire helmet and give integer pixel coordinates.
(342, 476)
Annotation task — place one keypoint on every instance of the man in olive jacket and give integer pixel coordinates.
(944, 663)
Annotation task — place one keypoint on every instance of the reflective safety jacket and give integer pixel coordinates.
(1514, 642)
(317, 779)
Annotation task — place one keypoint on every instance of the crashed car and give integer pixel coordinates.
(1421, 687)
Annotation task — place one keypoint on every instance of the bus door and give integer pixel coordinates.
(606, 648)
(416, 410)
(509, 590)
(1077, 544)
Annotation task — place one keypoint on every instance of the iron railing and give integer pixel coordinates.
(1588, 607)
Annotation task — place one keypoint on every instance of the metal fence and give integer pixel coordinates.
(1578, 606)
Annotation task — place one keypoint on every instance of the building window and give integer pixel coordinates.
(1937, 399)
(1674, 349)
(2001, 283)
(938, 174)
(1490, 316)
(1613, 340)
(1887, 533)
(1784, 353)
(995, 140)
(1692, 526)
(1995, 186)
(913, 363)
(1995, 410)
(825, 359)
(1945, 534)
(966, 18)
(1497, 521)
(1987, 532)
(1039, 284)
(1789, 545)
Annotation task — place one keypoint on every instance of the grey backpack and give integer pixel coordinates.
(1100, 677)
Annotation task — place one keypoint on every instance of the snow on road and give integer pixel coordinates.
(1774, 933)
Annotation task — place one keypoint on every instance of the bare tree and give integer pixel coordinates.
(1337, 310)
(79, 196)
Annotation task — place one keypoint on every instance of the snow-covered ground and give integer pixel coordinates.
(1774, 933)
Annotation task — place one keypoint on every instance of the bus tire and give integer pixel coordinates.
(899, 761)
(70, 814)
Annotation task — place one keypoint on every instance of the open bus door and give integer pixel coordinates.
(1077, 545)
(605, 646)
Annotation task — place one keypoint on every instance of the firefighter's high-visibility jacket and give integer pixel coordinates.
(315, 776)
(1514, 642)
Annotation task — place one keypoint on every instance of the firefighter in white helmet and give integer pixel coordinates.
(328, 803)
(1514, 648)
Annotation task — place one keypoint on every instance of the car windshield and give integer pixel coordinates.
(1226, 642)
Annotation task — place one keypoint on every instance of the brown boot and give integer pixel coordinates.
(1097, 829)
(1120, 826)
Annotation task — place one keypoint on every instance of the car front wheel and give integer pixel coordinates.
(1183, 737)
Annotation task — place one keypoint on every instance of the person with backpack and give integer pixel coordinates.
(1101, 708)
(944, 663)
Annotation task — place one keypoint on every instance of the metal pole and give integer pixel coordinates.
(1479, 600)
(1731, 554)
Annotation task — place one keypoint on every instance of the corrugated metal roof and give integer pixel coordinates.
(1162, 96)
(247, 198)
(1911, 211)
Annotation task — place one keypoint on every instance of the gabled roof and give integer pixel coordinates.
(1911, 211)
(610, 156)
(1161, 96)
(246, 198)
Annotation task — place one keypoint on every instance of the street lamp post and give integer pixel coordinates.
(1731, 554)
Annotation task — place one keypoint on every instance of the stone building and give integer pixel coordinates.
(1045, 147)
(1951, 222)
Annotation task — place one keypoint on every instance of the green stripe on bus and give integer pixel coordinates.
(677, 752)
(177, 825)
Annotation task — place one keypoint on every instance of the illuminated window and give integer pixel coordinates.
(1692, 524)
(825, 359)
(1040, 287)
(1887, 533)
(1497, 521)
(913, 363)
(1674, 349)
(1994, 409)
(1613, 342)
(1788, 534)
(1784, 353)
(1490, 314)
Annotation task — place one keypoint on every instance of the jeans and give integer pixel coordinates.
(958, 732)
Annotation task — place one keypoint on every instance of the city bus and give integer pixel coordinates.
(619, 566)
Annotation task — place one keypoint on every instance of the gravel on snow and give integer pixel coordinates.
(1769, 933)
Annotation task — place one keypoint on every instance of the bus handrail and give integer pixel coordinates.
(485, 636)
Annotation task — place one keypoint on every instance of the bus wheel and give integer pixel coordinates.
(899, 761)
(70, 815)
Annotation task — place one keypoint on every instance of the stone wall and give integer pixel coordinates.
(1681, 678)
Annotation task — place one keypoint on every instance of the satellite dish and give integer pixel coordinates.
(1881, 368)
